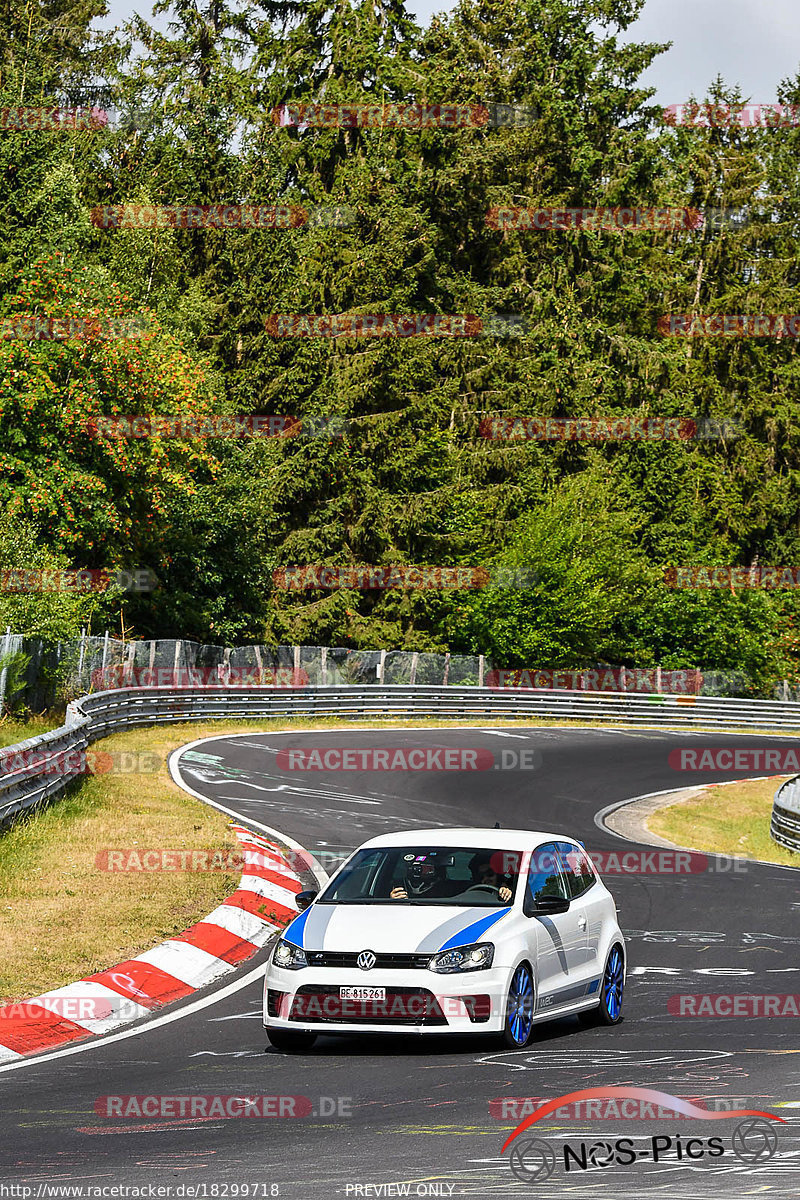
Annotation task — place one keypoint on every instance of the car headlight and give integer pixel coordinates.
(463, 958)
(290, 957)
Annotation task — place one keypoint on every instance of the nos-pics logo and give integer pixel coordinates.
(535, 1160)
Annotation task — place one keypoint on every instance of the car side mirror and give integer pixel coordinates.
(304, 900)
(548, 906)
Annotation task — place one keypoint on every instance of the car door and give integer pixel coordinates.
(590, 903)
(560, 939)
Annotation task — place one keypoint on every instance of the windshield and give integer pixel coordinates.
(465, 877)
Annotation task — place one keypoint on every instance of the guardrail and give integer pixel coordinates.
(785, 824)
(48, 764)
(43, 766)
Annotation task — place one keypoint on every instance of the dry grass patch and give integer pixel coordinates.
(733, 819)
(61, 917)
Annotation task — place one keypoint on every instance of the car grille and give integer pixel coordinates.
(402, 1006)
(337, 958)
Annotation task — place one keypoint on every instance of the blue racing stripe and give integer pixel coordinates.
(471, 933)
(294, 933)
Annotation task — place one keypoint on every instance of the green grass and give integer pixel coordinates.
(733, 819)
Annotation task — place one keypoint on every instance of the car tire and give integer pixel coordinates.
(290, 1042)
(612, 986)
(518, 1025)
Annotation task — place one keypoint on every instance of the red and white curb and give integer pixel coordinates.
(263, 903)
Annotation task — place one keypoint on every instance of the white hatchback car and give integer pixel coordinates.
(448, 931)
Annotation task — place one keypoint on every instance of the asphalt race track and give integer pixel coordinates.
(417, 1112)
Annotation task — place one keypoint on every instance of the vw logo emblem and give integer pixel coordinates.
(366, 960)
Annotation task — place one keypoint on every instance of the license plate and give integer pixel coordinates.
(362, 993)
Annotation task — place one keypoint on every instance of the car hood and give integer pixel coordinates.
(391, 929)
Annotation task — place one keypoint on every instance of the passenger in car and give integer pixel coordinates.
(484, 873)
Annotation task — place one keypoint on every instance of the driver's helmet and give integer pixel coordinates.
(421, 873)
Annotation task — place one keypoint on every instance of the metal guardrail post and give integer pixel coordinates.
(105, 657)
(81, 657)
(4, 672)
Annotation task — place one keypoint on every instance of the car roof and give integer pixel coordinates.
(491, 839)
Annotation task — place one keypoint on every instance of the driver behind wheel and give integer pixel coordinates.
(424, 877)
(483, 873)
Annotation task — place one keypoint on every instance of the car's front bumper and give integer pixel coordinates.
(417, 1001)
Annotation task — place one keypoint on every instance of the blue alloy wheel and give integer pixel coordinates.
(519, 1009)
(613, 985)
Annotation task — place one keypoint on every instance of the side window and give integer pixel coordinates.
(577, 868)
(544, 876)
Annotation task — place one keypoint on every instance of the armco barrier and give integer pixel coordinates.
(35, 781)
(785, 824)
(102, 713)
